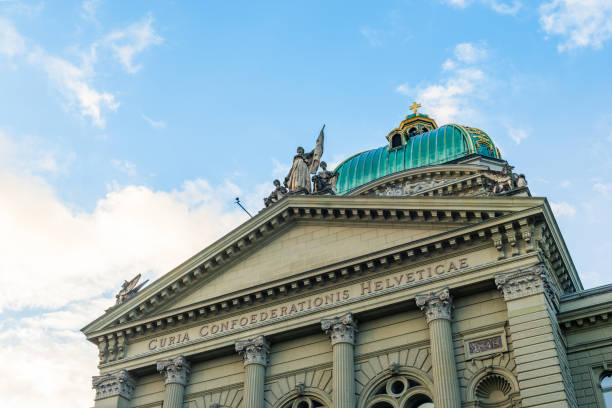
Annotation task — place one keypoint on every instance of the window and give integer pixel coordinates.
(606, 389)
(396, 141)
(400, 392)
(304, 402)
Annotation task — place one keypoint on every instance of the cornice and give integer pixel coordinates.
(425, 247)
(302, 208)
(497, 224)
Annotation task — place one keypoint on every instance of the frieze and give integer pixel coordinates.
(309, 304)
(407, 188)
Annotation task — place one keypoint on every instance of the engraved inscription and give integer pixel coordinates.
(480, 346)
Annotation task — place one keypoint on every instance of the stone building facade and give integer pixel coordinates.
(432, 278)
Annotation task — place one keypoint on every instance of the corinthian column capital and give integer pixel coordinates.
(436, 305)
(525, 282)
(341, 329)
(254, 350)
(175, 370)
(118, 383)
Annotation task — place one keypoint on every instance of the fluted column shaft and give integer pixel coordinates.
(254, 375)
(173, 397)
(176, 373)
(255, 353)
(446, 383)
(342, 333)
(344, 375)
(437, 307)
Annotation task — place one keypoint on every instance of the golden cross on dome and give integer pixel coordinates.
(414, 107)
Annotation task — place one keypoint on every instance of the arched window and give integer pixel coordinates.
(396, 140)
(400, 391)
(606, 389)
(412, 131)
(304, 402)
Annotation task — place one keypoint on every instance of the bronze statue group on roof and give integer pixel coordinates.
(299, 181)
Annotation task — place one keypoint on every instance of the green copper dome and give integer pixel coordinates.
(441, 145)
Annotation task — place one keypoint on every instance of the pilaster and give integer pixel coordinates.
(539, 350)
(113, 390)
(255, 352)
(437, 307)
(341, 331)
(176, 373)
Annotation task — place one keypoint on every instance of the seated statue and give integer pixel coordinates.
(325, 181)
(278, 193)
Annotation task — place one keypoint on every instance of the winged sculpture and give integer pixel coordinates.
(129, 289)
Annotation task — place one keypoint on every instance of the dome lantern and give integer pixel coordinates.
(414, 124)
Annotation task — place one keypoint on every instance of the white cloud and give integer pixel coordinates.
(155, 124)
(452, 98)
(566, 183)
(374, 37)
(89, 9)
(562, 209)
(72, 82)
(517, 134)
(469, 53)
(11, 42)
(602, 188)
(70, 263)
(133, 229)
(580, 23)
(132, 40)
(48, 358)
(502, 7)
(125, 166)
(31, 155)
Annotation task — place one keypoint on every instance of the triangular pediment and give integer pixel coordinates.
(298, 236)
(302, 248)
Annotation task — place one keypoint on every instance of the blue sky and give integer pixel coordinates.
(127, 128)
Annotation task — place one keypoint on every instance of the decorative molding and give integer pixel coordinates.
(118, 383)
(254, 350)
(175, 370)
(341, 329)
(436, 305)
(525, 282)
(407, 188)
(295, 209)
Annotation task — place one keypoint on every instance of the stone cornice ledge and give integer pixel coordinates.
(316, 207)
(450, 240)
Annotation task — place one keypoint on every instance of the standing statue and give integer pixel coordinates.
(325, 181)
(304, 164)
(278, 193)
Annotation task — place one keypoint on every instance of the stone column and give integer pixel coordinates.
(176, 375)
(113, 390)
(539, 352)
(255, 352)
(341, 331)
(437, 307)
